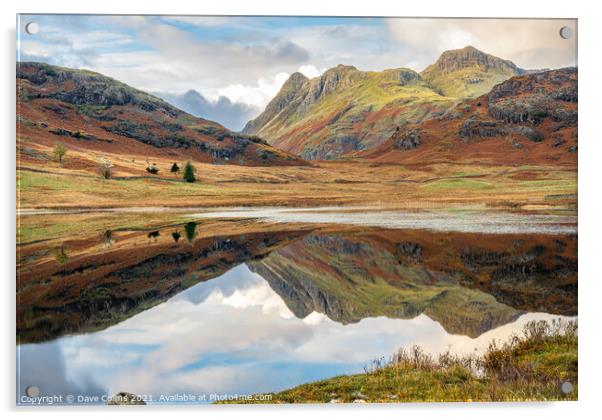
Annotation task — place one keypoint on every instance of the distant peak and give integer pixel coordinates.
(341, 67)
(470, 56)
(297, 76)
(294, 81)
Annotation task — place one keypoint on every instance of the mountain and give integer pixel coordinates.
(345, 110)
(468, 72)
(233, 115)
(91, 114)
(528, 119)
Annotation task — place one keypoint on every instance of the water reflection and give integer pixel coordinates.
(231, 334)
(246, 306)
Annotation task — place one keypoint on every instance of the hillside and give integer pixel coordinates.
(345, 110)
(528, 119)
(95, 116)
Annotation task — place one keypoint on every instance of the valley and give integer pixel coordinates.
(361, 212)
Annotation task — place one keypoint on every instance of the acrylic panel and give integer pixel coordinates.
(229, 209)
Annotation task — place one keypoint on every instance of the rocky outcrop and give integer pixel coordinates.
(474, 127)
(406, 139)
(285, 96)
(531, 119)
(454, 60)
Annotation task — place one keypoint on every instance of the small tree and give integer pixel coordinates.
(105, 169)
(189, 172)
(59, 152)
(175, 168)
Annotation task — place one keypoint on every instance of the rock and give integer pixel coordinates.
(407, 139)
(482, 128)
(558, 141)
(529, 133)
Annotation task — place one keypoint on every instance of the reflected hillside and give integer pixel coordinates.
(87, 284)
(469, 283)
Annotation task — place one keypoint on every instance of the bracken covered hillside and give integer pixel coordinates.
(95, 114)
(530, 118)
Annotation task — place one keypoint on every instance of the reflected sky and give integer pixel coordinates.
(232, 334)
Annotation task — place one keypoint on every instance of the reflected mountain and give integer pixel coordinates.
(469, 283)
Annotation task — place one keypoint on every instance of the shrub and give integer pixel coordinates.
(175, 168)
(189, 172)
(59, 152)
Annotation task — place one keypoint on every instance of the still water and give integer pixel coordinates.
(229, 303)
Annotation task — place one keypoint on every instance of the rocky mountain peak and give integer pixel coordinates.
(295, 80)
(469, 56)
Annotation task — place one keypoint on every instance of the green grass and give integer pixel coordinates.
(97, 189)
(458, 184)
(530, 366)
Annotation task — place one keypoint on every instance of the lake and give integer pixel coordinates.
(241, 301)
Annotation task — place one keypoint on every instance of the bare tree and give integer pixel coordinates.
(105, 168)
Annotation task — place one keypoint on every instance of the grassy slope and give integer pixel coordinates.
(531, 366)
(454, 84)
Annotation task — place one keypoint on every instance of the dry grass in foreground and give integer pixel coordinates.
(531, 366)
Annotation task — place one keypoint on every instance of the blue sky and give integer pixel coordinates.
(246, 59)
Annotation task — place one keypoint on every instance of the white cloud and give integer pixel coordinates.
(530, 43)
(247, 60)
(257, 95)
(309, 71)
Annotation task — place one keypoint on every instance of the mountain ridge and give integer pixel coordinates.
(345, 110)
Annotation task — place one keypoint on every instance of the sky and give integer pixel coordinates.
(237, 64)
